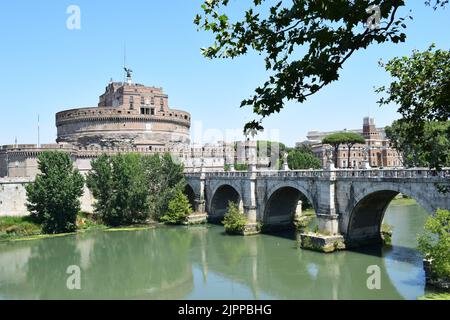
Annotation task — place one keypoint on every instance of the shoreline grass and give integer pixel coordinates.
(15, 229)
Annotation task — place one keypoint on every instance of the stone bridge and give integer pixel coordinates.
(348, 203)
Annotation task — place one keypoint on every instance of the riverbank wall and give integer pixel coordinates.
(13, 197)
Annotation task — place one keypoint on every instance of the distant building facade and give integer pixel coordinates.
(377, 151)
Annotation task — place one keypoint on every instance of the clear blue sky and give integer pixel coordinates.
(47, 68)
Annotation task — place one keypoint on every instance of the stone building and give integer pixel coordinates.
(376, 152)
(130, 117)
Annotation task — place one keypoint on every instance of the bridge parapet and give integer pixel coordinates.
(219, 174)
(342, 173)
(295, 173)
(394, 173)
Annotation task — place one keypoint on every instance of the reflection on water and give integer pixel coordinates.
(203, 263)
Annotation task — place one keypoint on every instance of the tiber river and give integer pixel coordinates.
(204, 263)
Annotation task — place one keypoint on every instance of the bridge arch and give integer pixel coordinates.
(221, 196)
(283, 204)
(190, 194)
(367, 213)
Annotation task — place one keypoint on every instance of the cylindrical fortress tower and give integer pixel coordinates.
(128, 115)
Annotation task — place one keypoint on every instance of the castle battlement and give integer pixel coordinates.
(102, 114)
(33, 148)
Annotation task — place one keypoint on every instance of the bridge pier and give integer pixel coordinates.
(200, 206)
(327, 238)
(252, 226)
(250, 207)
(199, 215)
(328, 224)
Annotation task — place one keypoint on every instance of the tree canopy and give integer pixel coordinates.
(54, 196)
(343, 138)
(305, 43)
(430, 149)
(421, 90)
(130, 188)
(421, 86)
(298, 160)
(435, 243)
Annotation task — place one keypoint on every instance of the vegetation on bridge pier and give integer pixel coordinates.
(234, 220)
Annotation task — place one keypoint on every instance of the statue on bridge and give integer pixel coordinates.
(285, 162)
(329, 156)
(366, 164)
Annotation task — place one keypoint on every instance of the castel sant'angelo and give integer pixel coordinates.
(130, 117)
(127, 115)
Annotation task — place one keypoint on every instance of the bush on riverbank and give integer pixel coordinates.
(132, 188)
(178, 210)
(54, 196)
(88, 221)
(235, 220)
(11, 227)
(435, 243)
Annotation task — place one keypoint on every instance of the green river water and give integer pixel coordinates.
(203, 263)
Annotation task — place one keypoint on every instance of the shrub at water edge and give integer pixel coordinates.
(179, 209)
(234, 221)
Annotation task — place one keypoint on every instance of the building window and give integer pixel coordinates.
(131, 102)
(152, 111)
(147, 111)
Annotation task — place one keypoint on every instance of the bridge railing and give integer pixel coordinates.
(340, 173)
(393, 173)
(294, 173)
